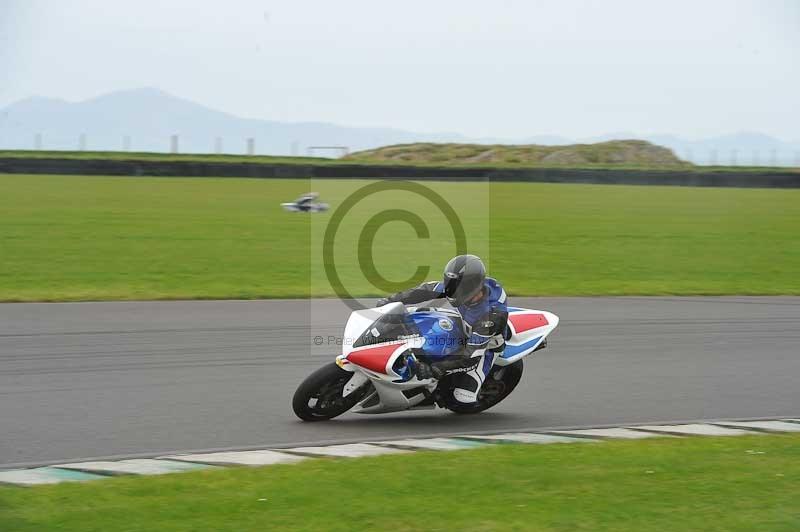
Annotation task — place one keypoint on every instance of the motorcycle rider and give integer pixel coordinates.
(304, 202)
(481, 301)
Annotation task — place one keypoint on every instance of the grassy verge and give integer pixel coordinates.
(710, 484)
(97, 238)
(355, 160)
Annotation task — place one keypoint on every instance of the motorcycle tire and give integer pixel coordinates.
(319, 396)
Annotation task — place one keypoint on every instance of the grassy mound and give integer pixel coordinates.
(617, 152)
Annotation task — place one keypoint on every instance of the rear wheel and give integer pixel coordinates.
(498, 385)
(319, 396)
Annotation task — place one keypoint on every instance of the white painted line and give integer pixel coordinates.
(693, 429)
(245, 458)
(435, 444)
(43, 475)
(141, 466)
(771, 426)
(350, 450)
(104, 467)
(524, 437)
(615, 433)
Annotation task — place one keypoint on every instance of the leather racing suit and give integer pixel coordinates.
(485, 323)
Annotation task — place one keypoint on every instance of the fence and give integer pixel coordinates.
(103, 166)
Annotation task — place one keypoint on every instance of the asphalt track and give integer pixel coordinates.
(86, 380)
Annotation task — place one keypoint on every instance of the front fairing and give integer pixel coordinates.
(387, 328)
(377, 341)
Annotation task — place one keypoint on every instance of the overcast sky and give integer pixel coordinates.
(481, 68)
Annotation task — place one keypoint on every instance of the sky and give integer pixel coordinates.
(506, 69)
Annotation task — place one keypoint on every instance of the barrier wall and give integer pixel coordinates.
(749, 179)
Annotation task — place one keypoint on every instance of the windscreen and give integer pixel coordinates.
(387, 328)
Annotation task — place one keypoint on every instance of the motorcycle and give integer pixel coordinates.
(375, 373)
(306, 203)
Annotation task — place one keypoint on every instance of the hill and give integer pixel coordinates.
(143, 120)
(615, 152)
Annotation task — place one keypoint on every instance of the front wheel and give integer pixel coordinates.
(319, 396)
(498, 385)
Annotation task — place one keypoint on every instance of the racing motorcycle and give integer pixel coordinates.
(376, 371)
(305, 203)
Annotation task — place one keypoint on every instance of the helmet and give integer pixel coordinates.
(463, 279)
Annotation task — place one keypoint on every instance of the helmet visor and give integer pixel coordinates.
(450, 283)
(460, 291)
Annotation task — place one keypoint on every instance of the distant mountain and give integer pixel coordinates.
(149, 117)
(145, 119)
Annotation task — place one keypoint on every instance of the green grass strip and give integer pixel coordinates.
(710, 484)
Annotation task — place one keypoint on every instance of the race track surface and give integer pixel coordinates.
(84, 380)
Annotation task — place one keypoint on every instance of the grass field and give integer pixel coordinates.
(96, 238)
(729, 483)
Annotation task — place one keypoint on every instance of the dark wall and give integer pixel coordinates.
(12, 165)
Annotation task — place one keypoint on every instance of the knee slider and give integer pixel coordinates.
(465, 396)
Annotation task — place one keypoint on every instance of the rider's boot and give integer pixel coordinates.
(468, 384)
